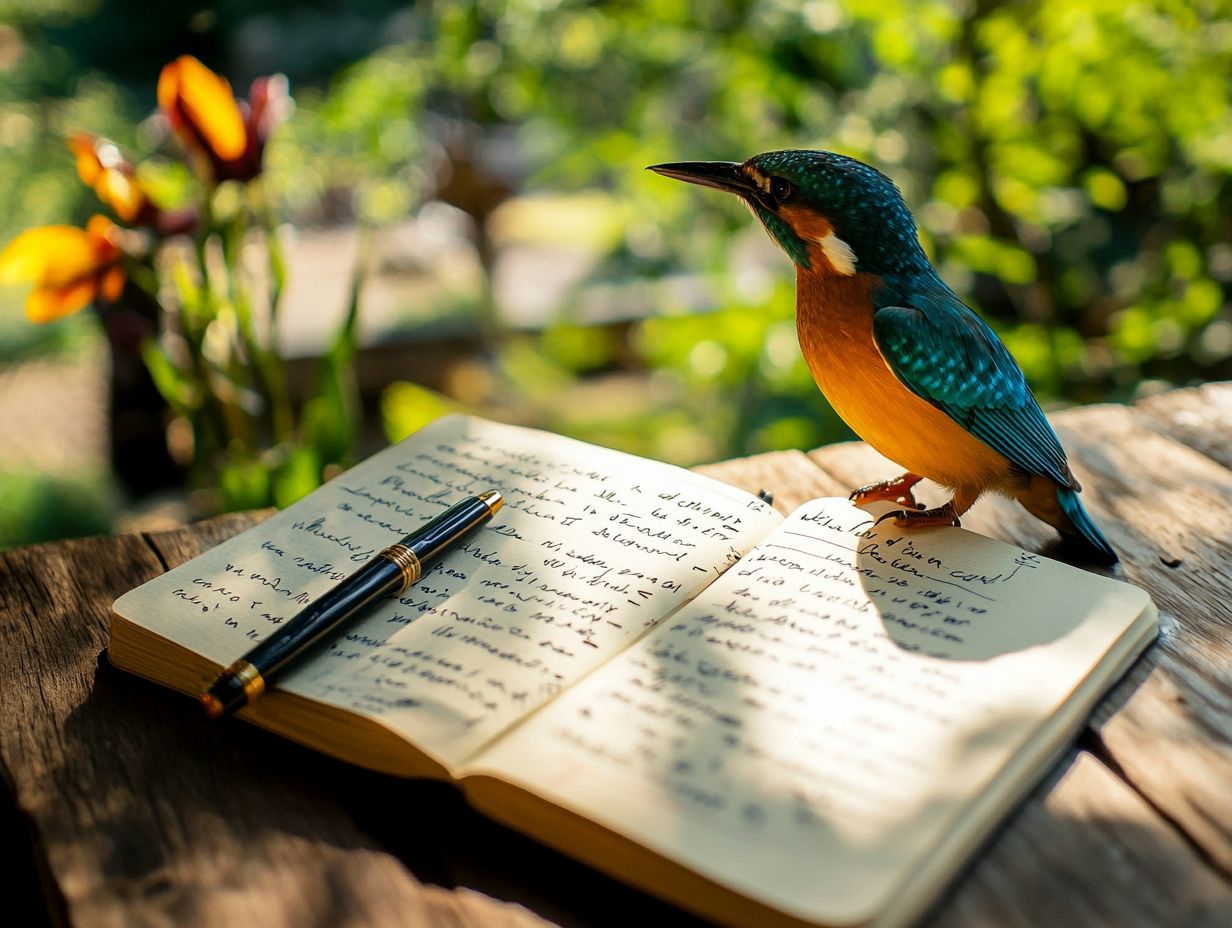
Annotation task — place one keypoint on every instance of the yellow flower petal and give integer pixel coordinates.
(204, 100)
(121, 193)
(49, 305)
(66, 265)
(101, 166)
(81, 144)
(48, 256)
(100, 227)
(112, 285)
(168, 84)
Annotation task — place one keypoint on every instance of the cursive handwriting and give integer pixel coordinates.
(590, 549)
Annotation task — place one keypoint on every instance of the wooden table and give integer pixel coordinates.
(124, 807)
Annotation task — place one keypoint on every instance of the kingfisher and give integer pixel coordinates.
(905, 363)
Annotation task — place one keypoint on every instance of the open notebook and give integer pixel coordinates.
(767, 720)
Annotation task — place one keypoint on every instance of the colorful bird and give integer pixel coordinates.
(902, 360)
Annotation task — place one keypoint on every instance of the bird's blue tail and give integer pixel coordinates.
(1084, 530)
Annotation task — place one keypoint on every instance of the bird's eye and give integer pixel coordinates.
(782, 190)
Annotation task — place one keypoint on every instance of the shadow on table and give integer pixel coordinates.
(170, 802)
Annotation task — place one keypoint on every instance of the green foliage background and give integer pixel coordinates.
(1070, 162)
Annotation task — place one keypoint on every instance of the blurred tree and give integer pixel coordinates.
(69, 65)
(1070, 160)
(66, 64)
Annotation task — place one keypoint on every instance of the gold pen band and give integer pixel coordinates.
(249, 677)
(408, 563)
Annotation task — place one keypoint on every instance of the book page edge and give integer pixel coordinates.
(1027, 768)
(289, 715)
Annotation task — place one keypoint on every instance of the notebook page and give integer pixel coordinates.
(818, 722)
(591, 548)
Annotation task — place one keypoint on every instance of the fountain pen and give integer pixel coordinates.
(387, 574)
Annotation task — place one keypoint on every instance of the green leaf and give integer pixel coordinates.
(298, 476)
(245, 484)
(176, 386)
(408, 407)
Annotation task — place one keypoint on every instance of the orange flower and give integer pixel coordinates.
(101, 167)
(69, 267)
(269, 103)
(228, 137)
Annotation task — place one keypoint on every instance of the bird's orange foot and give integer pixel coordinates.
(896, 491)
(928, 518)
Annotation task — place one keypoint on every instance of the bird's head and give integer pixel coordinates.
(833, 215)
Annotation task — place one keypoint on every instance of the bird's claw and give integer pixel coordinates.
(927, 518)
(896, 491)
(903, 499)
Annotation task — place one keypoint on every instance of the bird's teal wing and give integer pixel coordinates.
(948, 356)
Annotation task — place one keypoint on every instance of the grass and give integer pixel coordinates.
(36, 507)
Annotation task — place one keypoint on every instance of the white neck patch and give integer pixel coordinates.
(838, 253)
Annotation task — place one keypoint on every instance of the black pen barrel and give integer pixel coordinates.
(377, 579)
(428, 541)
(390, 572)
(248, 677)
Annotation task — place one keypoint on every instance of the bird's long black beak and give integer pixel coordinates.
(722, 175)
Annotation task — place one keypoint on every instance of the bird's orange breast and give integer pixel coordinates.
(834, 321)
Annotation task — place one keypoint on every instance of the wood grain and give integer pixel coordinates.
(140, 812)
(1087, 850)
(789, 475)
(148, 814)
(1200, 418)
(1167, 509)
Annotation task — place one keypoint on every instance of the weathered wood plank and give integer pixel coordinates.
(1200, 417)
(147, 813)
(1168, 508)
(790, 475)
(268, 831)
(175, 546)
(1165, 507)
(1087, 851)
